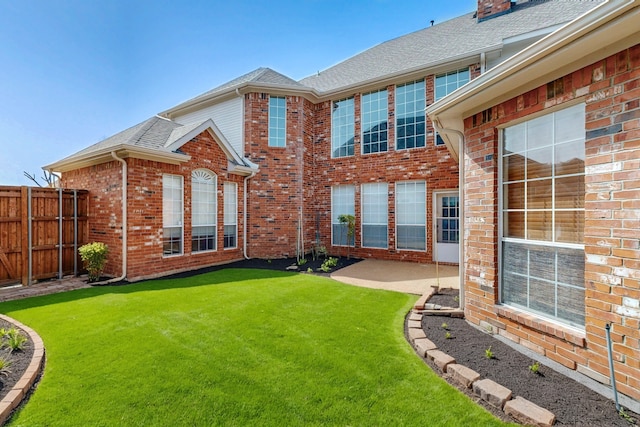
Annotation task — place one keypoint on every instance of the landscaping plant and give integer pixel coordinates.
(15, 340)
(94, 256)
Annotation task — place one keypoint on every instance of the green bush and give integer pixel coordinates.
(94, 256)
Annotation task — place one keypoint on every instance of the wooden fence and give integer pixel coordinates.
(40, 232)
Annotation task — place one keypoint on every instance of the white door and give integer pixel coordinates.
(447, 227)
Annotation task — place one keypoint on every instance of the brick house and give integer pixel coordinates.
(246, 168)
(239, 170)
(548, 144)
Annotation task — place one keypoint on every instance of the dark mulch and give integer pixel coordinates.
(278, 264)
(19, 359)
(571, 402)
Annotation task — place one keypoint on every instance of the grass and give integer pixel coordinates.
(233, 347)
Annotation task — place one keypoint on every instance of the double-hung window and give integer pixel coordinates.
(374, 122)
(342, 128)
(277, 121)
(447, 83)
(203, 210)
(410, 115)
(172, 214)
(542, 170)
(375, 208)
(411, 215)
(342, 203)
(230, 215)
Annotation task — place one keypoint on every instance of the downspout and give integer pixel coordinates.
(461, 182)
(124, 219)
(244, 215)
(245, 197)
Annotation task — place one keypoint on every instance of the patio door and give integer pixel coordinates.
(447, 226)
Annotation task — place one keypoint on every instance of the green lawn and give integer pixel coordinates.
(233, 347)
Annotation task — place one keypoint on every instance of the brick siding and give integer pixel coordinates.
(611, 91)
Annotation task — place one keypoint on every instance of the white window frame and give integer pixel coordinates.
(374, 111)
(371, 196)
(230, 212)
(419, 108)
(532, 243)
(437, 140)
(420, 212)
(345, 196)
(171, 208)
(277, 121)
(343, 127)
(204, 183)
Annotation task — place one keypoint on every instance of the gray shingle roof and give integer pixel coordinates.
(259, 75)
(151, 133)
(448, 40)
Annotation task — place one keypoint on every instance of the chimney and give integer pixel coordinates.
(488, 9)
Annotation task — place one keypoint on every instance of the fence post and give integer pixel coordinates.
(24, 232)
(30, 236)
(75, 233)
(60, 241)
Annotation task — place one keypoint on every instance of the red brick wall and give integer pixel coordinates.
(486, 8)
(104, 183)
(611, 91)
(144, 192)
(431, 164)
(277, 191)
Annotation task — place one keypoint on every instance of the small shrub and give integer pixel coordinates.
(447, 335)
(535, 367)
(15, 340)
(94, 256)
(309, 270)
(328, 264)
(5, 364)
(488, 353)
(302, 261)
(444, 325)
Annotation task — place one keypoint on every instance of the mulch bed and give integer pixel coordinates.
(19, 359)
(572, 403)
(278, 264)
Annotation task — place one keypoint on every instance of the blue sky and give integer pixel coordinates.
(73, 72)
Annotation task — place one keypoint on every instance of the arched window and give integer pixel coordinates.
(203, 210)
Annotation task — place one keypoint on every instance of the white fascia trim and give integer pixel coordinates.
(207, 125)
(123, 151)
(198, 103)
(531, 64)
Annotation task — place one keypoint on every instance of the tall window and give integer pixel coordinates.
(375, 208)
(411, 215)
(410, 116)
(171, 214)
(203, 210)
(342, 203)
(374, 122)
(543, 215)
(342, 128)
(447, 83)
(277, 121)
(230, 215)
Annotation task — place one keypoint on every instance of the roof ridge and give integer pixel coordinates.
(142, 132)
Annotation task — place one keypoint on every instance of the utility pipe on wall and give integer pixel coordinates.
(124, 218)
(244, 215)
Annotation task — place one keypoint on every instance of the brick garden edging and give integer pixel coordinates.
(519, 408)
(19, 391)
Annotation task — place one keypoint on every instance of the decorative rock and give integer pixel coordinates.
(429, 306)
(414, 324)
(492, 392)
(463, 375)
(415, 334)
(441, 359)
(423, 345)
(292, 267)
(415, 316)
(529, 413)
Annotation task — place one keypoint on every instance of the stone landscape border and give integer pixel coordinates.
(22, 387)
(500, 397)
